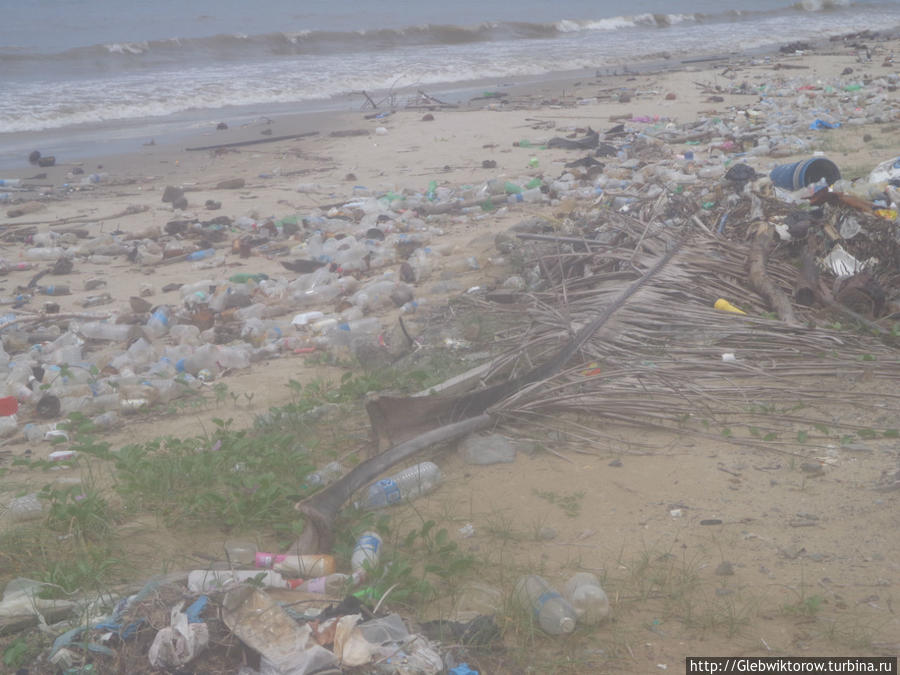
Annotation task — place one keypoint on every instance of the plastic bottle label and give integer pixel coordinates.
(391, 491)
(268, 559)
(542, 600)
(316, 585)
(369, 544)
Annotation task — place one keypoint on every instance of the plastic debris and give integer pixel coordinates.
(180, 641)
(844, 265)
(263, 625)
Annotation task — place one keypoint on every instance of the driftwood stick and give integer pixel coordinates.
(759, 278)
(255, 141)
(369, 99)
(808, 287)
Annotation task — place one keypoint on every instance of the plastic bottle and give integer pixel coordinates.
(158, 323)
(46, 253)
(201, 255)
(421, 263)
(296, 565)
(240, 553)
(412, 306)
(332, 584)
(203, 286)
(326, 475)
(587, 597)
(533, 195)
(35, 432)
(97, 300)
(366, 553)
(351, 332)
(408, 484)
(24, 508)
(107, 420)
(306, 318)
(185, 334)
(56, 289)
(9, 425)
(210, 580)
(552, 612)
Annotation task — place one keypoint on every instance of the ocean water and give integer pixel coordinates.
(142, 67)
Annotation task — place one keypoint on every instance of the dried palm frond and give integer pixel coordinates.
(658, 361)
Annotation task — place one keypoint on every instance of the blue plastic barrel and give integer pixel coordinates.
(806, 172)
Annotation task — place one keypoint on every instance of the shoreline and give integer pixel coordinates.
(77, 145)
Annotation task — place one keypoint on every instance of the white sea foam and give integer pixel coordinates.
(127, 47)
(419, 56)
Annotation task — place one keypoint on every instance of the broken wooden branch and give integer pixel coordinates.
(762, 244)
(402, 422)
(322, 508)
(255, 141)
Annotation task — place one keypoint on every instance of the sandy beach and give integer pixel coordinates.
(644, 510)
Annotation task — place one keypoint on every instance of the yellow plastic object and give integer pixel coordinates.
(724, 306)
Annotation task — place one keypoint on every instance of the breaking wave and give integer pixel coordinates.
(234, 47)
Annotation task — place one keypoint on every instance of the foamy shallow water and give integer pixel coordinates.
(55, 76)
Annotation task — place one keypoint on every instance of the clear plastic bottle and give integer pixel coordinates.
(366, 553)
(533, 195)
(9, 426)
(107, 420)
(240, 553)
(158, 323)
(48, 253)
(421, 262)
(97, 300)
(100, 330)
(408, 484)
(28, 507)
(210, 580)
(351, 332)
(587, 597)
(552, 611)
(326, 475)
(412, 306)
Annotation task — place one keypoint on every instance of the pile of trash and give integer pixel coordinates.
(351, 267)
(274, 623)
(350, 264)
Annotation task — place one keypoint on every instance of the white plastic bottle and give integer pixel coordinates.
(587, 597)
(210, 580)
(366, 553)
(408, 484)
(100, 330)
(552, 611)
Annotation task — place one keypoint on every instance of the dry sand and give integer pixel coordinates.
(639, 517)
